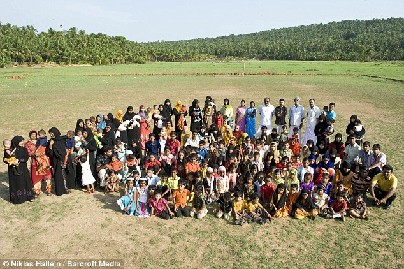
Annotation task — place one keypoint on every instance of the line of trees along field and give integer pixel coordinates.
(359, 40)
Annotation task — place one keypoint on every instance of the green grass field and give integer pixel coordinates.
(80, 226)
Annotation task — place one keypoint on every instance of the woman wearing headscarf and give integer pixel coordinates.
(100, 122)
(79, 126)
(180, 112)
(304, 206)
(167, 111)
(279, 201)
(196, 116)
(129, 114)
(57, 152)
(36, 176)
(20, 183)
(90, 144)
(121, 131)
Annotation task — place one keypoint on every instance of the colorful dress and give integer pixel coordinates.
(35, 176)
(126, 200)
(143, 210)
(251, 114)
(241, 118)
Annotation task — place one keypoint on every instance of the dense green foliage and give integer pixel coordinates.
(378, 39)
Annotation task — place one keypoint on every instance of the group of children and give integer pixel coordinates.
(217, 168)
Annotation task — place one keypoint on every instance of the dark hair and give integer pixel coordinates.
(366, 143)
(376, 146)
(387, 167)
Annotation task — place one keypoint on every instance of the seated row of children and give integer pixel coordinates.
(275, 195)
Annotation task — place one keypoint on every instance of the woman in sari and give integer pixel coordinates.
(240, 116)
(251, 114)
(20, 183)
(36, 176)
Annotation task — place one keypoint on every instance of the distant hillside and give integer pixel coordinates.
(370, 40)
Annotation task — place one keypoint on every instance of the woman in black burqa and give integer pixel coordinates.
(57, 152)
(20, 183)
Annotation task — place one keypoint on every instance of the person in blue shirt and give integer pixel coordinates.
(331, 115)
(152, 146)
(202, 151)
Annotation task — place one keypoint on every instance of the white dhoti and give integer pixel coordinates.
(102, 174)
(309, 135)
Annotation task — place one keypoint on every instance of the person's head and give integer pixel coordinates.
(252, 104)
(305, 194)
(33, 135)
(295, 130)
(312, 102)
(238, 197)
(387, 170)
(152, 137)
(114, 158)
(174, 173)
(359, 198)
(182, 184)
(268, 180)
(366, 146)
(331, 106)
(363, 172)
(150, 171)
(281, 188)
(296, 100)
(108, 128)
(340, 186)
(305, 162)
(266, 101)
(41, 133)
(308, 177)
(346, 166)
(107, 151)
(272, 147)
(222, 171)
(157, 194)
(278, 173)
(142, 183)
(376, 149)
(340, 196)
(325, 177)
(152, 157)
(255, 198)
(7, 143)
(326, 158)
(129, 183)
(338, 137)
(320, 190)
(242, 103)
(226, 102)
(293, 173)
(351, 140)
(281, 102)
(293, 188)
(164, 178)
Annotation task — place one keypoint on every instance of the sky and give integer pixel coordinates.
(170, 20)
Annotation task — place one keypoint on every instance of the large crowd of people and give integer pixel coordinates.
(178, 161)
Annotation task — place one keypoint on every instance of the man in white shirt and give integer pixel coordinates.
(351, 152)
(267, 112)
(296, 116)
(312, 119)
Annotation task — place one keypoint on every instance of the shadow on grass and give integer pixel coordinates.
(4, 187)
(108, 200)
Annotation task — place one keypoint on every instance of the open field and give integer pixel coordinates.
(81, 226)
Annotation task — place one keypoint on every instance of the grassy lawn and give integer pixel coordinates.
(81, 226)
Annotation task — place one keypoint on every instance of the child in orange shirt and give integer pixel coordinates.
(180, 200)
(193, 165)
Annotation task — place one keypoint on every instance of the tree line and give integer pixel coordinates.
(354, 40)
